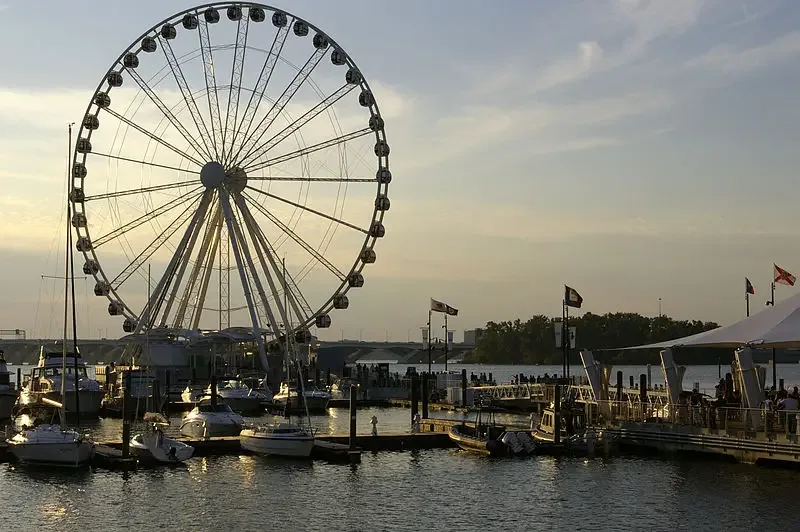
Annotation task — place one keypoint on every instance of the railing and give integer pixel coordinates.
(733, 420)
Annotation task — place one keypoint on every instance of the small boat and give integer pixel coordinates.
(316, 400)
(574, 437)
(208, 420)
(8, 394)
(482, 437)
(45, 382)
(53, 445)
(152, 446)
(238, 396)
(282, 439)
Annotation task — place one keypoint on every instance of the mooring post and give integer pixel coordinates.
(557, 414)
(316, 376)
(166, 391)
(414, 397)
(631, 379)
(425, 395)
(643, 394)
(328, 376)
(19, 378)
(126, 424)
(463, 388)
(619, 392)
(353, 401)
(213, 386)
(780, 385)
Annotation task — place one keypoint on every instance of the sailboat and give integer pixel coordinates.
(285, 438)
(54, 444)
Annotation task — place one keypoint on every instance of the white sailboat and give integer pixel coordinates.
(285, 438)
(51, 444)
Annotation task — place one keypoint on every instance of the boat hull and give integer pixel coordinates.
(146, 448)
(298, 447)
(248, 405)
(198, 428)
(65, 454)
(8, 398)
(89, 401)
(315, 404)
(459, 435)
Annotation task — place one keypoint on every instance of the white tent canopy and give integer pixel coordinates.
(776, 326)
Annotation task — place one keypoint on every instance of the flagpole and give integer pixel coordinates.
(747, 302)
(445, 341)
(563, 338)
(567, 338)
(774, 365)
(429, 341)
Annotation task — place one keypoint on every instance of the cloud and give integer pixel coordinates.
(735, 61)
(574, 68)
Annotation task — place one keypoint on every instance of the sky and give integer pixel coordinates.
(641, 151)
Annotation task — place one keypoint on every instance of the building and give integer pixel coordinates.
(473, 336)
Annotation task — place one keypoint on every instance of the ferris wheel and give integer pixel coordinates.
(231, 168)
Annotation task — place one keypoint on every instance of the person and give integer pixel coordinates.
(415, 426)
(374, 422)
(533, 420)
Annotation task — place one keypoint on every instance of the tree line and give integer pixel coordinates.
(533, 341)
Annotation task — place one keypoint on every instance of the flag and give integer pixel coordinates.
(782, 276)
(748, 287)
(572, 298)
(438, 306)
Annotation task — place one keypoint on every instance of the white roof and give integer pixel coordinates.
(774, 327)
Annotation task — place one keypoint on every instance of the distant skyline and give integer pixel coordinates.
(632, 149)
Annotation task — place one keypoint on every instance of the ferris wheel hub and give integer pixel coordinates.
(235, 180)
(212, 174)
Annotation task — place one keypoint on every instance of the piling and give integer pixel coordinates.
(619, 392)
(126, 423)
(166, 389)
(316, 376)
(463, 388)
(414, 397)
(353, 401)
(213, 385)
(19, 378)
(780, 385)
(643, 393)
(649, 377)
(328, 376)
(557, 414)
(631, 378)
(425, 396)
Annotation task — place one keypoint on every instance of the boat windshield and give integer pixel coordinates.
(233, 385)
(56, 372)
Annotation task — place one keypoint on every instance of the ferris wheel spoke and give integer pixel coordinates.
(237, 70)
(305, 118)
(309, 209)
(302, 243)
(211, 87)
(258, 240)
(315, 179)
(151, 136)
(146, 163)
(257, 95)
(307, 151)
(146, 217)
(188, 97)
(194, 299)
(239, 247)
(183, 264)
(158, 295)
(153, 246)
(252, 139)
(177, 124)
(143, 190)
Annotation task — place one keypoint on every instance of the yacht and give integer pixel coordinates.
(51, 445)
(238, 396)
(141, 397)
(8, 393)
(207, 420)
(281, 439)
(317, 400)
(45, 383)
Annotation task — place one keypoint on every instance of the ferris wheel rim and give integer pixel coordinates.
(377, 215)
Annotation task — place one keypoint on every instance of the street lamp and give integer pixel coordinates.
(659, 307)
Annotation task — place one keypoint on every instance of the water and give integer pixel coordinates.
(414, 490)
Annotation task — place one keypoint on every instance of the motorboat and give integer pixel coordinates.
(315, 399)
(48, 444)
(154, 447)
(237, 395)
(207, 420)
(8, 393)
(281, 439)
(45, 380)
(574, 437)
(482, 437)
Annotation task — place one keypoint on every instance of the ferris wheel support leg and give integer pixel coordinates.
(231, 226)
(169, 273)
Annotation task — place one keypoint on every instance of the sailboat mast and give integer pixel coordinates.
(67, 243)
(72, 290)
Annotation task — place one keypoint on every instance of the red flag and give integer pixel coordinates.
(748, 287)
(782, 276)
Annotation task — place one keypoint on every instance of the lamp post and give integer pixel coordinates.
(659, 307)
